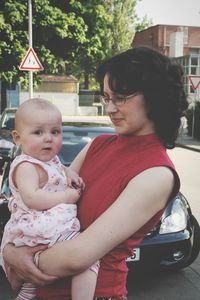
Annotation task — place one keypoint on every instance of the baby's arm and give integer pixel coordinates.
(28, 181)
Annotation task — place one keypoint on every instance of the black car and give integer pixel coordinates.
(173, 244)
(6, 127)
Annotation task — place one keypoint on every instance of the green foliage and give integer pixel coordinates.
(111, 26)
(56, 36)
(69, 36)
(123, 13)
(96, 45)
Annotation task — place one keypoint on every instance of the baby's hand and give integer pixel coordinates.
(73, 179)
(79, 184)
(73, 194)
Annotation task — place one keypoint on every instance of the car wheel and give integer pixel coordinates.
(196, 243)
(4, 217)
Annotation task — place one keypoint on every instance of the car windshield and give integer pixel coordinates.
(77, 136)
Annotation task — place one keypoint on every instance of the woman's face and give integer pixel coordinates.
(130, 117)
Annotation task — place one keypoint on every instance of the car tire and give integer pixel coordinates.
(4, 217)
(196, 243)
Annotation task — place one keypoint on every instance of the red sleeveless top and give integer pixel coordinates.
(111, 162)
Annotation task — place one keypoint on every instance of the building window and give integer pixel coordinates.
(194, 51)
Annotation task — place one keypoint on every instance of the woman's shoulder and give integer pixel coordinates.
(105, 138)
(102, 141)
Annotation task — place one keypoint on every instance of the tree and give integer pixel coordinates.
(110, 27)
(69, 36)
(123, 24)
(95, 47)
(55, 35)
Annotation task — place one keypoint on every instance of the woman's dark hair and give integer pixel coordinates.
(158, 79)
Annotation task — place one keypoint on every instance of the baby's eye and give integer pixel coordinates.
(38, 132)
(55, 132)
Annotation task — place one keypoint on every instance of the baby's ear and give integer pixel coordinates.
(16, 137)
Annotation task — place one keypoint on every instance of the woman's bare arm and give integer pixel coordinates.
(144, 196)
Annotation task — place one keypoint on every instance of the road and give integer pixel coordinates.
(187, 163)
(183, 285)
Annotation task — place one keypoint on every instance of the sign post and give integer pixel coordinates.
(30, 46)
(195, 82)
(30, 61)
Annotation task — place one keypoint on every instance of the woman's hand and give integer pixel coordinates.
(20, 266)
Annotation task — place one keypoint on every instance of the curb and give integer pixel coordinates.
(188, 147)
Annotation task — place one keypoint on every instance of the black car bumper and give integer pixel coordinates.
(166, 251)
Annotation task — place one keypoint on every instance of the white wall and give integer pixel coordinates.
(68, 103)
(176, 44)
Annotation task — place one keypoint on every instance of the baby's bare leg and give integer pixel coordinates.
(83, 285)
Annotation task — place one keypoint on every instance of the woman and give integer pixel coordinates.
(129, 177)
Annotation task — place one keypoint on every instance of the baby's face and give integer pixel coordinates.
(40, 134)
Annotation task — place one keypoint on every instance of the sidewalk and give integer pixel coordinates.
(188, 142)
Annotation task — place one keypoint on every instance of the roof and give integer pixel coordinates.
(167, 25)
(56, 78)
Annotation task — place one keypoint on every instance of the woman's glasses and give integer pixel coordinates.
(116, 100)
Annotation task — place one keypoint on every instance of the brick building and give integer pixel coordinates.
(179, 42)
(158, 37)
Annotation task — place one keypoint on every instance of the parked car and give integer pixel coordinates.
(8, 118)
(6, 127)
(173, 244)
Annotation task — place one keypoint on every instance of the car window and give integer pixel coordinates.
(7, 121)
(70, 149)
(75, 139)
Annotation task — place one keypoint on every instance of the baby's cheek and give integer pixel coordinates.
(59, 146)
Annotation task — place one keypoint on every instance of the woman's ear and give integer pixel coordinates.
(16, 137)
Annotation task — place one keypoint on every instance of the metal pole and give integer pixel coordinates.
(193, 113)
(30, 46)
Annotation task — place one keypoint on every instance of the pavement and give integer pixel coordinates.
(188, 142)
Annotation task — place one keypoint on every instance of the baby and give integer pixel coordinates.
(43, 210)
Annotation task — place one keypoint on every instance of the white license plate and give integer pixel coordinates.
(135, 256)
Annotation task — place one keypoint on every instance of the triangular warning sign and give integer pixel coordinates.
(195, 81)
(31, 62)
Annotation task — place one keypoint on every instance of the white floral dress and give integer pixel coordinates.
(30, 227)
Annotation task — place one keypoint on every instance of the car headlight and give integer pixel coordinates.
(177, 220)
(6, 144)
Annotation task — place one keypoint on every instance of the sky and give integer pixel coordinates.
(170, 12)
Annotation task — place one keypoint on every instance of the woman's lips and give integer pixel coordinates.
(116, 121)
